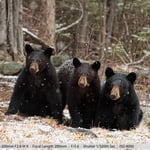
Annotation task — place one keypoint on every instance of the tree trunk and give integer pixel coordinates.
(102, 34)
(42, 22)
(3, 37)
(82, 31)
(47, 31)
(110, 21)
(11, 28)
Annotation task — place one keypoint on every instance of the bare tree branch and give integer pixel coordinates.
(36, 38)
(65, 48)
(139, 61)
(126, 25)
(74, 23)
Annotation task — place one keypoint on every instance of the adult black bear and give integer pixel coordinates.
(37, 90)
(80, 86)
(119, 105)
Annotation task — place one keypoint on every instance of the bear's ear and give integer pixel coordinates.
(76, 62)
(131, 77)
(28, 49)
(96, 65)
(48, 52)
(109, 72)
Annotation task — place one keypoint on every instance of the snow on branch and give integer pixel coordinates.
(36, 38)
(74, 23)
(139, 61)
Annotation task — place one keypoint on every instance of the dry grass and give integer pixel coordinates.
(37, 130)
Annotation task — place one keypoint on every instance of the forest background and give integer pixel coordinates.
(115, 32)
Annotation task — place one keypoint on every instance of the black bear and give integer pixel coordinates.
(80, 86)
(36, 91)
(118, 107)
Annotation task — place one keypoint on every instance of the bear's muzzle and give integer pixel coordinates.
(82, 82)
(115, 93)
(34, 68)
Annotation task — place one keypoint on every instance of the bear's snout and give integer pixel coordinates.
(115, 93)
(82, 82)
(34, 68)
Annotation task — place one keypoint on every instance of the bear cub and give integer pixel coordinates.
(118, 107)
(80, 86)
(36, 91)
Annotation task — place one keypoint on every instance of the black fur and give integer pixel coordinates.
(37, 93)
(81, 102)
(123, 113)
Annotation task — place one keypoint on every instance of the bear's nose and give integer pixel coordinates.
(82, 82)
(115, 93)
(113, 96)
(34, 68)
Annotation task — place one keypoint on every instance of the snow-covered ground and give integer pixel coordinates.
(20, 132)
(34, 131)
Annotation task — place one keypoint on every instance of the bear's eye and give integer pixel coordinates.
(29, 57)
(109, 86)
(123, 85)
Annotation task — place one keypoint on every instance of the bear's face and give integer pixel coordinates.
(118, 85)
(37, 60)
(85, 73)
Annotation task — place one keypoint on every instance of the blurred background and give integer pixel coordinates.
(115, 32)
